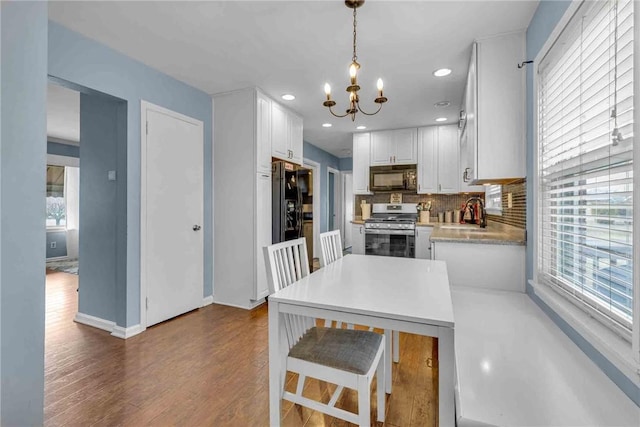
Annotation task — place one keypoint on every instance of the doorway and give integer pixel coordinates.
(172, 209)
(333, 201)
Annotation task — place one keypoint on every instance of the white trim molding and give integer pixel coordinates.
(207, 301)
(124, 333)
(96, 322)
(108, 325)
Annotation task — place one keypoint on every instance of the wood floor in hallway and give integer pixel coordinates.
(208, 367)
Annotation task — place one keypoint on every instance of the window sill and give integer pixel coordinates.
(613, 347)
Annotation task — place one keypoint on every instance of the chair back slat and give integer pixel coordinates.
(287, 263)
(330, 247)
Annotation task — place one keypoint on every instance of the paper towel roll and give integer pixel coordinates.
(366, 211)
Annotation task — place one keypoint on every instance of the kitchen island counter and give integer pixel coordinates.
(494, 234)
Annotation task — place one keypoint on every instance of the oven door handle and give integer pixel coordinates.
(391, 232)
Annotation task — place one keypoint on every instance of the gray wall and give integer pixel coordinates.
(325, 159)
(23, 76)
(63, 149)
(60, 240)
(101, 210)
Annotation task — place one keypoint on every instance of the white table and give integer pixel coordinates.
(402, 294)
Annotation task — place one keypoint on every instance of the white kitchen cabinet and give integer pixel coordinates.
(487, 266)
(262, 232)
(423, 245)
(495, 111)
(438, 160)
(263, 133)
(357, 237)
(286, 134)
(361, 149)
(394, 147)
(242, 210)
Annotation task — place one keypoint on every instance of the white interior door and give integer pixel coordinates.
(172, 214)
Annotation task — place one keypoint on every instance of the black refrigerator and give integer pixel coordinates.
(287, 202)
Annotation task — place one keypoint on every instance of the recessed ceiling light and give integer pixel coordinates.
(442, 72)
(442, 104)
(361, 127)
(326, 125)
(441, 119)
(288, 97)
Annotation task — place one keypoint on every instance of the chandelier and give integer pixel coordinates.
(353, 88)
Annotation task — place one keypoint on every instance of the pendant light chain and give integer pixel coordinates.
(355, 57)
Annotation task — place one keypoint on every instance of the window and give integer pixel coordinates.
(493, 199)
(56, 200)
(585, 161)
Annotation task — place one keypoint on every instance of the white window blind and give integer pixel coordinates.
(585, 160)
(493, 199)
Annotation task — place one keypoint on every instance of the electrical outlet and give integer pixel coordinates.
(509, 200)
(53, 245)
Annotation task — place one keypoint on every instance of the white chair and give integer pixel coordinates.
(331, 250)
(331, 247)
(345, 357)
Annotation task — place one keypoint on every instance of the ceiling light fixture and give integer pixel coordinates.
(442, 72)
(442, 104)
(288, 97)
(441, 119)
(326, 125)
(353, 88)
(361, 127)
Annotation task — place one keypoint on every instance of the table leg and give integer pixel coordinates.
(387, 359)
(446, 376)
(396, 346)
(276, 364)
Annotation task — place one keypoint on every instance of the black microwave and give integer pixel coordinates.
(393, 178)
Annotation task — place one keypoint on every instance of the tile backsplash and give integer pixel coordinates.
(515, 216)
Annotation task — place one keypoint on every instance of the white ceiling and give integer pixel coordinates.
(297, 46)
(63, 114)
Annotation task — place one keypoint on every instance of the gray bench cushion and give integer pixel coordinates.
(346, 349)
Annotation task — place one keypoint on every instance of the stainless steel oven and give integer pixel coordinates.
(397, 243)
(391, 230)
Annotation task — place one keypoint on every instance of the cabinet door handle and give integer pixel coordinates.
(394, 159)
(418, 187)
(360, 230)
(439, 187)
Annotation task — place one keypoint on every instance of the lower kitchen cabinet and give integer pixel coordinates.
(478, 265)
(357, 239)
(423, 245)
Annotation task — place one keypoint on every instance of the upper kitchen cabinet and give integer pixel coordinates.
(494, 110)
(361, 150)
(438, 158)
(286, 134)
(394, 147)
(263, 133)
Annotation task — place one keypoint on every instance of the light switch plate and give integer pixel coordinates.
(509, 200)
(111, 175)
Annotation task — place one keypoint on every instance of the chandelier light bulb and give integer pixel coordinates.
(380, 86)
(352, 73)
(327, 90)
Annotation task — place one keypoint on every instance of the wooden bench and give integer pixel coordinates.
(515, 367)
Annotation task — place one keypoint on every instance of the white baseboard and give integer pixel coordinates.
(207, 301)
(124, 333)
(251, 306)
(96, 322)
(108, 325)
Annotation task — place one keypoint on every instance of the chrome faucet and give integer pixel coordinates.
(483, 213)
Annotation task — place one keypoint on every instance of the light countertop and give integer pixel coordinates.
(494, 234)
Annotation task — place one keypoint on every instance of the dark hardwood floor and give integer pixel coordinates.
(208, 367)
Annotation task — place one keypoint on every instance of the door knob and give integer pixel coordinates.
(196, 227)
